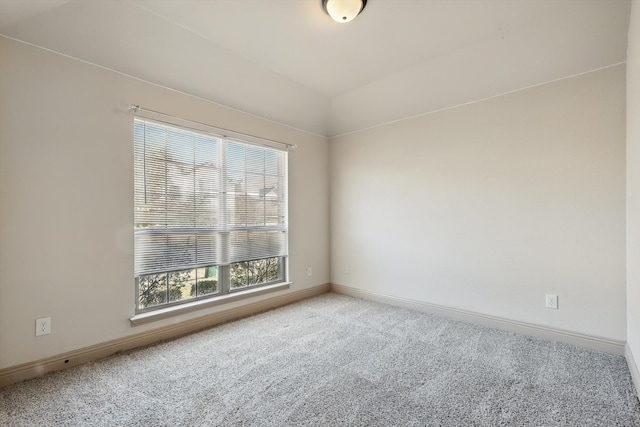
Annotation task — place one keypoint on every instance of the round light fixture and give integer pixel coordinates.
(343, 10)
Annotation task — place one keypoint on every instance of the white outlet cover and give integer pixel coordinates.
(43, 326)
(551, 301)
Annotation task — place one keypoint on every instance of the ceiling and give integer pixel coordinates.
(287, 61)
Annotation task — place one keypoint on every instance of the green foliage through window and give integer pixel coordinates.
(164, 288)
(249, 273)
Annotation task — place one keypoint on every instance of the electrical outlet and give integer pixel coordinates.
(347, 270)
(551, 301)
(43, 326)
(309, 271)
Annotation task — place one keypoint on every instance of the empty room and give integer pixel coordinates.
(319, 212)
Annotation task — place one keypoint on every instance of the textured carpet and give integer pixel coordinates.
(336, 360)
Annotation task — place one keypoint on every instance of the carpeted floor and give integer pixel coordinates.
(336, 360)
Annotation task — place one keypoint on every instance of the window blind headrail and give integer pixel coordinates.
(172, 120)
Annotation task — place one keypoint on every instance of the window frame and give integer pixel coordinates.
(224, 291)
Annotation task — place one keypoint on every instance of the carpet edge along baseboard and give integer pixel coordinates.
(633, 366)
(578, 339)
(29, 370)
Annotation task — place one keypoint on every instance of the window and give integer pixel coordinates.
(210, 215)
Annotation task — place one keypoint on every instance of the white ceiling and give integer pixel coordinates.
(287, 61)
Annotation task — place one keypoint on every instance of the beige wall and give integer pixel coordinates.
(633, 183)
(66, 199)
(487, 207)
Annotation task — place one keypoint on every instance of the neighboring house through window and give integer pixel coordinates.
(210, 215)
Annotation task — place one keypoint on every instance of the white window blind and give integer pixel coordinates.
(202, 199)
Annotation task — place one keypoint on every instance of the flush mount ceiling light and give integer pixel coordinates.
(343, 10)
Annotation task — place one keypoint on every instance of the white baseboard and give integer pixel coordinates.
(633, 368)
(538, 331)
(18, 373)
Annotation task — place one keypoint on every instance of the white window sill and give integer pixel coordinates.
(163, 313)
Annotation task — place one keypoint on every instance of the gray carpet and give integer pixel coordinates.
(336, 360)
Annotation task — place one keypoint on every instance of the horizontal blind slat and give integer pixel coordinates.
(181, 186)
